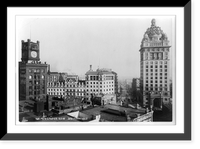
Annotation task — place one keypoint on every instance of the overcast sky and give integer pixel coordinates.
(72, 44)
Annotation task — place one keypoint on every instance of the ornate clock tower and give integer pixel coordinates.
(30, 51)
(32, 73)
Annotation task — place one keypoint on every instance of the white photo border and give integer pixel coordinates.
(53, 128)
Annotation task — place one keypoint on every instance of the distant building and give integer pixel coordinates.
(136, 84)
(154, 67)
(116, 83)
(32, 73)
(101, 81)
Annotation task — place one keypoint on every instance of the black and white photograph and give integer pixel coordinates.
(101, 74)
(95, 68)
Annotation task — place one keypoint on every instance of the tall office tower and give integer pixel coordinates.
(154, 67)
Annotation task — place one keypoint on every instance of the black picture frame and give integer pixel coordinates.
(128, 136)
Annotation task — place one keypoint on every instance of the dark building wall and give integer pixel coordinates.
(32, 81)
(38, 106)
(116, 83)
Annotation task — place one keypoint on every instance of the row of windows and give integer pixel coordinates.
(70, 94)
(154, 62)
(155, 74)
(156, 70)
(156, 89)
(99, 86)
(38, 82)
(100, 82)
(156, 66)
(93, 90)
(36, 77)
(156, 85)
(70, 90)
(155, 78)
(36, 70)
(52, 84)
(155, 81)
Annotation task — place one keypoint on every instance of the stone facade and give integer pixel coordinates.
(63, 85)
(154, 67)
(101, 81)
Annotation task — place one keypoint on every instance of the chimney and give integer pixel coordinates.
(90, 67)
(48, 67)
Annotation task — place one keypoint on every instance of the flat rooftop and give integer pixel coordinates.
(111, 112)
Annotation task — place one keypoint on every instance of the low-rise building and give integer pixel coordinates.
(101, 81)
(63, 85)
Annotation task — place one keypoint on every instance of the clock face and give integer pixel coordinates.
(33, 54)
